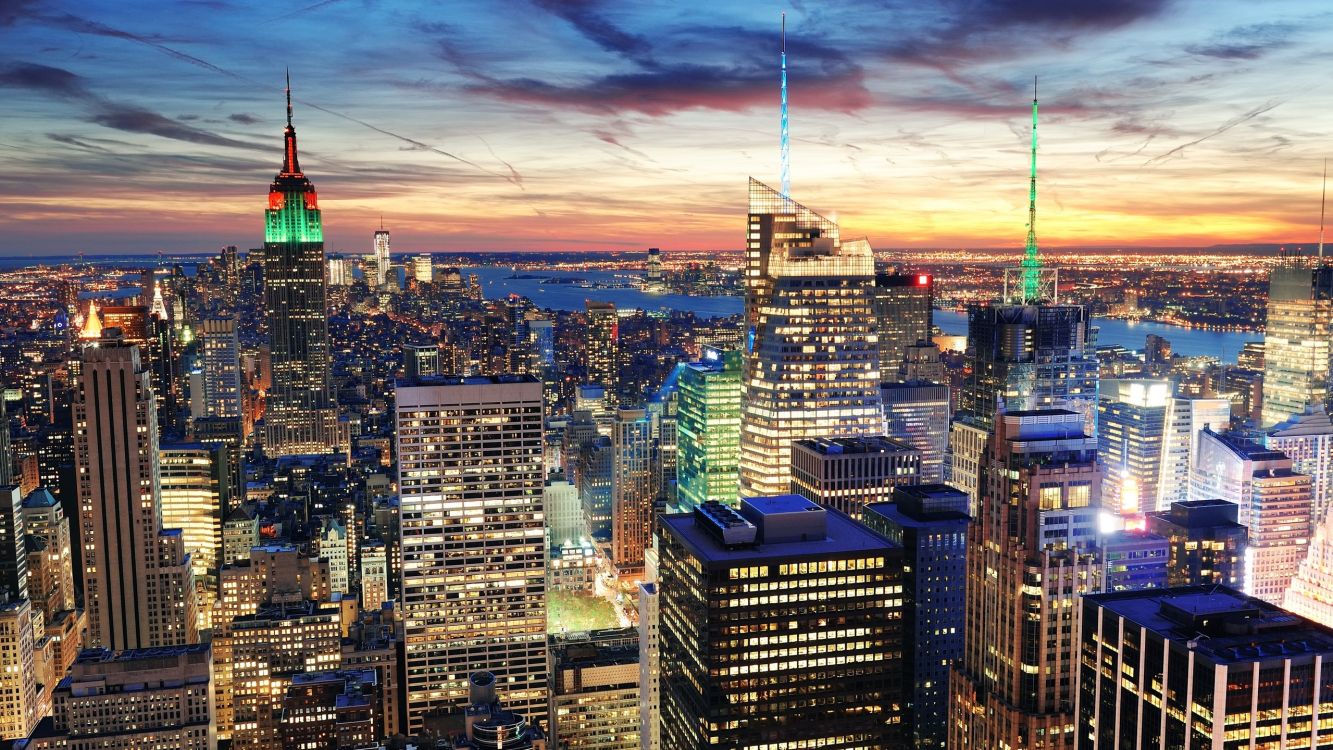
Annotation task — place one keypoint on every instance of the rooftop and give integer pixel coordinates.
(1220, 623)
(1246, 449)
(853, 445)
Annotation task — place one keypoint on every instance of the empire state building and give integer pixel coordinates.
(301, 415)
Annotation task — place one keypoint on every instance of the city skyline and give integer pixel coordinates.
(466, 133)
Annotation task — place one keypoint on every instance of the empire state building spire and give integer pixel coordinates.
(290, 164)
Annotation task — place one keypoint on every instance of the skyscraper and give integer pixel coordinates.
(1298, 340)
(780, 623)
(1134, 560)
(18, 677)
(422, 269)
(902, 306)
(916, 412)
(1307, 439)
(1186, 419)
(603, 354)
(380, 257)
(930, 522)
(470, 475)
(137, 582)
(812, 364)
(1131, 442)
(192, 479)
(847, 474)
(1274, 502)
(632, 489)
(708, 432)
(222, 367)
(1031, 553)
(301, 416)
(13, 545)
(1311, 591)
(595, 690)
(1199, 667)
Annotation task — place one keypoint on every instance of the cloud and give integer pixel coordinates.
(1224, 127)
(582, 15)
(1245, 42)
(245, 118)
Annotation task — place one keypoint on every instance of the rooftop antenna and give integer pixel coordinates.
(785, 143)
(1323, 192)
(1031, 263)
(289, 97)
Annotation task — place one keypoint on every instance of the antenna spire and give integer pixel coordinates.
(1031, 263)
(289, 97)
(785, 144)
(1323, 192)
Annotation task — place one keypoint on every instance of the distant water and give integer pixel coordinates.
(1191, 342)
(496, 285)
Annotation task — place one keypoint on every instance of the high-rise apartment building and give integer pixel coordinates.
(781, 623)
(916, 412)
(595, 690)
(847, 474)
(137, 577)
(1274, 502)
(812, 360)
(1031, 553)
(1298, 340)
(603, 352)
(1207, 544)
(902, 307)
(1131, 423)
(1307, 439)
(632, 489)
(470, 474)
(708, 430)
(141, 699)
(929, 521)
(222, 367)
(301, 415)
(1200, 667)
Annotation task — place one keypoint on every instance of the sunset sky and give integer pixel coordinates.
(564, 125)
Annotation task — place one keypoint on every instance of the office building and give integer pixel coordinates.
(1206, 543)
(967, 450)
(221, 367)
(810, 322)
(593, 469)
(603, 349)
(650, 668)
(653, 276)
(1298, 340)
(470, 473)
(379, 259)
(137, 577)
(916, 413)
(1311, 591)
(929, 521)
(708, 429)
(1200, 667)
(1274, 505)
(902, 308)
(780, 622)
(141, 699)
(595, 690)
(1307, 439)
(240, 532)
(632, 489)
(50, 554)
(1134, 560)
(1186, 419)
(847, 474)
(564, 512)
(337, 710)
(422, 270)
(18, 674)
(192, 478)
(1131, 423)
(1031, 554)
(332, 545)
(300, 414)
(374, 576)
(13, 545)
(340, 271)
(421, 360)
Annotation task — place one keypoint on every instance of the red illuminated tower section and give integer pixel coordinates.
(300, 415)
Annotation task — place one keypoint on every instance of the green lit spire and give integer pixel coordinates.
(1031, 263)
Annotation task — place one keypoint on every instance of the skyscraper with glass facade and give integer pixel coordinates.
(1130, 440)
(902, 306)
(1307, 439)
(300, 414)
(1298, 340)
(708, 430)
(812, 362)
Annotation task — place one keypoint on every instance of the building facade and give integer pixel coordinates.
(916, 412)
(708, 430)
(847, 474)
(1206, 544)
(1298, 340)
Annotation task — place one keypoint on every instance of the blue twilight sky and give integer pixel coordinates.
(580, 124)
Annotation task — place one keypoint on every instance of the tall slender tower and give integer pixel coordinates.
(301, 416)
(1031, 263)
(381, 255)
(137, 583)
(785, 144)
